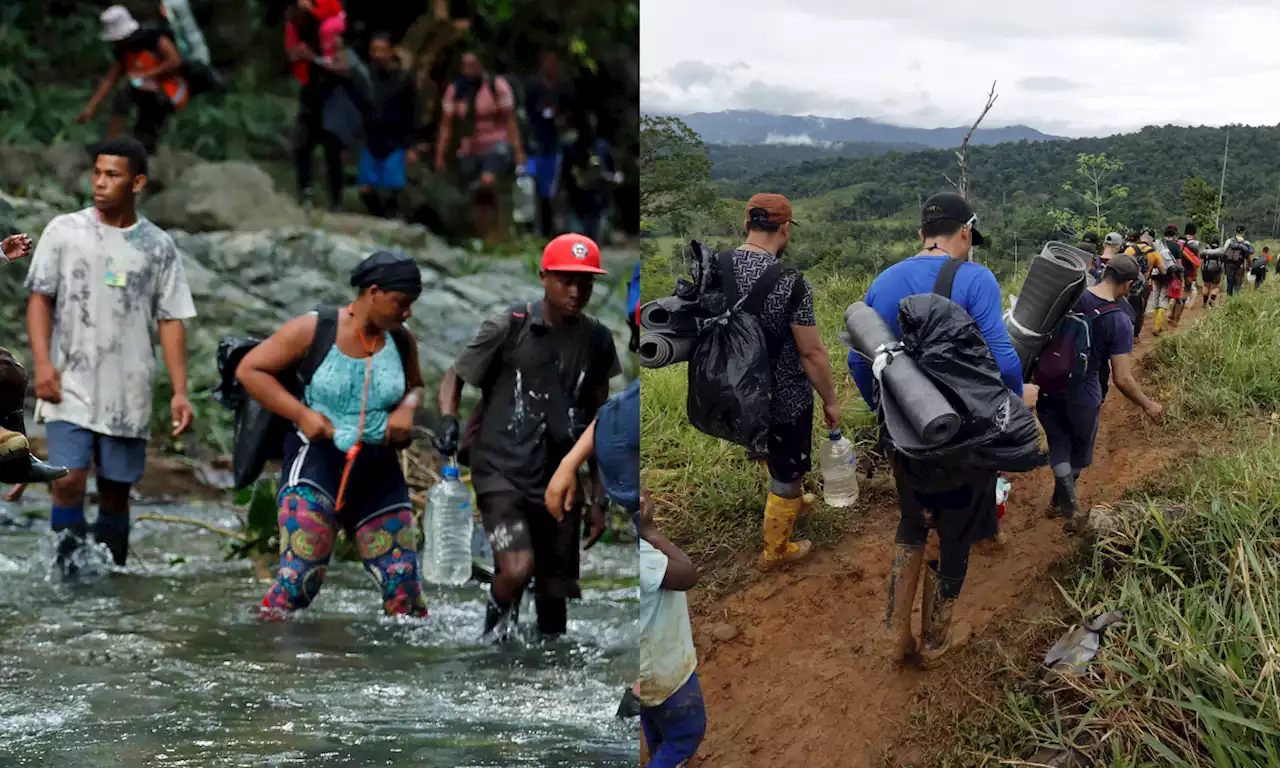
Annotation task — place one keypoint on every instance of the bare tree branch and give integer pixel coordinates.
(963, 155)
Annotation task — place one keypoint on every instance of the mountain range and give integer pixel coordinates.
(755, 127)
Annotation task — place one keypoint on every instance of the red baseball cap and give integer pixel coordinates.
(572, 253)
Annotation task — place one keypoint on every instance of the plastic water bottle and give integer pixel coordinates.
(522, 211)
(839, 471)
(447, 555)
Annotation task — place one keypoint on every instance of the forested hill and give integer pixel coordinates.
(1156, 163)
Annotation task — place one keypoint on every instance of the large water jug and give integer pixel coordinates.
(524, 204)
(839, 471)
(447, 552)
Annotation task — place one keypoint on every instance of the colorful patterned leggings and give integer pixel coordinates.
(308, 528)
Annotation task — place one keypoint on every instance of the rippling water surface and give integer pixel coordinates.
(166, 664)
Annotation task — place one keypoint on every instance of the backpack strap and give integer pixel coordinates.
(324, 337)
(517, 322)
(728, 282)
(762, 287)
(947, 277)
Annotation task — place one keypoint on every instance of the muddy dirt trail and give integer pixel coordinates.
(806, 681)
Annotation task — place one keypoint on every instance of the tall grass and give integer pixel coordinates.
(1189, 678)
(1228, 364)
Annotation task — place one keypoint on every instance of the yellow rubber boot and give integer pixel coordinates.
(904, 576)
(938, 636)
(1160, 313)
(807, 503)
(779, 520)
(12, 442)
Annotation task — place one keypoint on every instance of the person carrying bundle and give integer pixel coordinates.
(961, 504)
(1072, 373)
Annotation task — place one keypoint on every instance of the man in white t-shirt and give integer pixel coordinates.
(672, 711)
(102, 281)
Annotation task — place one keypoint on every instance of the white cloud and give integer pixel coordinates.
(1087, 67)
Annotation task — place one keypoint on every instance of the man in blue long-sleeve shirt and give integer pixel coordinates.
(961, 504)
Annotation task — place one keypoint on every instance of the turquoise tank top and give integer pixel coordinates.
(338, 384)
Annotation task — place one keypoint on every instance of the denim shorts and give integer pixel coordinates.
(118, 459)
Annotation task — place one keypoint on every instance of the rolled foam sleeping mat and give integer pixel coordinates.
(658, 350)
(671, 314)
(1054, 284)
(916, 413)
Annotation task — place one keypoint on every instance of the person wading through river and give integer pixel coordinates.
(543, 370)
(1071, 422)
(960, 504)
(341, 465)
(102, 281)
(800, 365)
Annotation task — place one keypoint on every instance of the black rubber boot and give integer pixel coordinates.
(373, 203)
(553, 615)
(113, 531)
(24, 467)
(502, 616)
(71, 538)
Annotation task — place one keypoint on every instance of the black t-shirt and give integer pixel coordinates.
(543, 104)
(512, 451)
(390, 125)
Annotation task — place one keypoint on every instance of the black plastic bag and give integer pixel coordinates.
(730, 372)
(730, 378)
(999, 431)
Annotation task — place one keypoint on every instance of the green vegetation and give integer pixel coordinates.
(1188, 678)
(1156, 163)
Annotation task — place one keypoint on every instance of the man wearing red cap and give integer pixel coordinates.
(543, 370)
(800, 364)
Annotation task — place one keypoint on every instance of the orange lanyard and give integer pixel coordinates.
(370, 346)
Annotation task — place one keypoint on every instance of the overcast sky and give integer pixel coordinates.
(1068, 67)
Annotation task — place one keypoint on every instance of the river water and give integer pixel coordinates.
(167, 664)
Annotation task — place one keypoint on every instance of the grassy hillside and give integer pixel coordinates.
(1156, 161)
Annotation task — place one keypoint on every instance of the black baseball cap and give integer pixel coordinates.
(1125, 267)
(948, 206)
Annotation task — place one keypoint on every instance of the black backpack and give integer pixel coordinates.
(730, 370)
(999, 431)
(259, 433)
(1236, 253)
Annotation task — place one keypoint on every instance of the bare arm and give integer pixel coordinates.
(450, 395)
(682, 574)
(415, 387)
(1122, 375)
(40, 327)
(173, 343)
(284, 349)
(170, 60)
(104, 88)
(513, 136)
(443, 138)
(814, 360)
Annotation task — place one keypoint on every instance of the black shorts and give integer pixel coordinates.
(496, 160)
(514, 522)
(1072, 429)
(791, 449)
(375, 487)
(959, 503)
